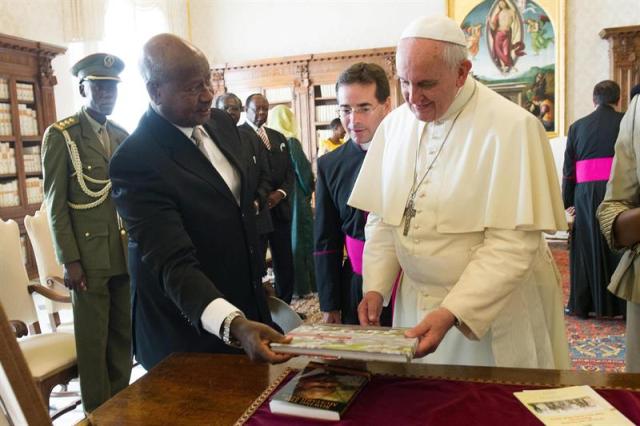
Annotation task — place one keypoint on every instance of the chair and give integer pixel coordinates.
(49, 270)
(18, 392)
(51, 357)
(283, 315)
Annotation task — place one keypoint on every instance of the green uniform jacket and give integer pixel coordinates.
(93, 235)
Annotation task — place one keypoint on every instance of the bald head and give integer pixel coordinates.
(167, 56)
(178, 79)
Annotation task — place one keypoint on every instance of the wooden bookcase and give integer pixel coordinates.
(27, 107)
(308, 78)
(624, 58)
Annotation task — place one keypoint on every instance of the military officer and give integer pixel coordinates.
(87, 233)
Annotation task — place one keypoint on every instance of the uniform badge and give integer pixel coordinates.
(109, 61)
(282, 147)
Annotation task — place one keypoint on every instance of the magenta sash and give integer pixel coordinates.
(355, 248)
(593, 169)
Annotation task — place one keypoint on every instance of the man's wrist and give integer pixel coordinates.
(225, 331)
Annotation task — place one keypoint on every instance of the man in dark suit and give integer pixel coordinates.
(587, 166)
(254, 154)
(278, 201)
(179, 184)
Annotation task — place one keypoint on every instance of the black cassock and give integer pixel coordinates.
(587, 165)
(339, 287)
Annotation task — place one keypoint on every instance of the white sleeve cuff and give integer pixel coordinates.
(214, 314)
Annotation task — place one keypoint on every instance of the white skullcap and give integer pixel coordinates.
(439, 28)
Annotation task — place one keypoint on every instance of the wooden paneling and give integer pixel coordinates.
(303, 74)
(624, 58)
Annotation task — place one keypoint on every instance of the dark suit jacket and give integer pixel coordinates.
(189, 241)
(592, 136)
(282, 175)
(258, 175)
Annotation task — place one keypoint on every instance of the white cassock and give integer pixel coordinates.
(475, 245)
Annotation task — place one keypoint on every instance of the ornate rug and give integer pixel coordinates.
(595, 345)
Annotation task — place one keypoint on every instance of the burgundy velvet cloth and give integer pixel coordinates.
(396, 401)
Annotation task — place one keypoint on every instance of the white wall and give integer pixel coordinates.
(41, 20)
(587, 53)
(240, 30)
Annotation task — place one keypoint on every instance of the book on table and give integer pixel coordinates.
(349, 342)
(320, 391)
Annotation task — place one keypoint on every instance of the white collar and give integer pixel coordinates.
(253, 126)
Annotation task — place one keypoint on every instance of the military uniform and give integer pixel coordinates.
(86, 228)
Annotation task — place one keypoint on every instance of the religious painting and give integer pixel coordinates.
(517, 49)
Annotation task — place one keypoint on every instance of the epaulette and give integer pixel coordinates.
(66, 123)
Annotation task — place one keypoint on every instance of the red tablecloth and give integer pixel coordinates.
(400, 401)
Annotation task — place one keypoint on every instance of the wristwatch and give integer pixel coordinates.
(227, 338)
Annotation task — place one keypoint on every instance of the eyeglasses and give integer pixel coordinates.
(364, 110)
(233, 108)
(260, 109)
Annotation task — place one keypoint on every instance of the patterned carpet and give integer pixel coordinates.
(595, 345)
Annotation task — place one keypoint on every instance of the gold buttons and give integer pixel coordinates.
(86, 234)
(123, 232)
(88, 167)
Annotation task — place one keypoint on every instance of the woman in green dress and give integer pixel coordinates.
(281, 118)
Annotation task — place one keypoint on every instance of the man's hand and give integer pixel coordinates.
(255, 338)
(370, 308)
(274, 198)
(571, 211)
(431, 330)
(332, 317)
(74, 278)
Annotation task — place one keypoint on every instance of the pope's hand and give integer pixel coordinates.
(431, 330)
(370, 308)
(255, 338)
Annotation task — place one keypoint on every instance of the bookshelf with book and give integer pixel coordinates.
(325, 109)
(27, 107)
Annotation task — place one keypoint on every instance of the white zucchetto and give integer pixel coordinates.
(439, 28)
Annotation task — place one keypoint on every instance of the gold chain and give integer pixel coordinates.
(76, 162)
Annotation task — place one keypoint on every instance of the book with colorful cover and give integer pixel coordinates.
(350, 342)
(320, 391)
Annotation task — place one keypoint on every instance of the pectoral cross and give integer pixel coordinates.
(409, 213)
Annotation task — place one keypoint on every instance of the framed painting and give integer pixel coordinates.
(517, 49)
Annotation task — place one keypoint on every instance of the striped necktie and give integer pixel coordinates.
(265, 139)
(199, 138)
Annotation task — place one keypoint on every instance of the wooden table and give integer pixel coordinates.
(212, 389)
